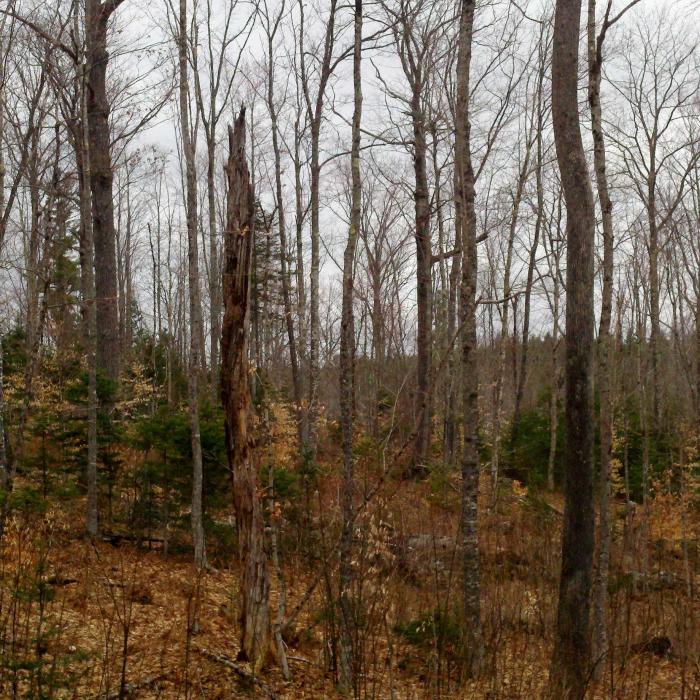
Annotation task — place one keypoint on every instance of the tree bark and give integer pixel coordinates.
(654, 302)
(554, 398)
(451, 432)
(87, 255)
(215, 270)
(464, 188)
(236, 399)
(97, 15)
(300, 276)
(348, 671)
(4, 466)
(571, 659)
(195, 303)
(81, 143)
(600, 583)
(424, 282)
(33, 249)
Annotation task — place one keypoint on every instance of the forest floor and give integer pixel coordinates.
(81, 620)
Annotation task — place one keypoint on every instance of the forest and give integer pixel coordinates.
(350, 349)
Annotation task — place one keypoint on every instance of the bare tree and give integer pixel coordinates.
(348, 679)
(570, 664)
(195, 303)
(212, 97)
(466, 226)
(272, 25)
(531, 131)
(87, 250)
(604, 376)
(553, 252)
(314, 109)
(416, 29)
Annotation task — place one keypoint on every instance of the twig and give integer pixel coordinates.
(300, 659)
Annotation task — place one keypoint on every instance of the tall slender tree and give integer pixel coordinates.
(416, 28)
(465, 195)
(272, 25)
(605, 338)
(570, 665)
(195, 303)
(87, 255)
(348, 678)
(221, 60)
(315, 110)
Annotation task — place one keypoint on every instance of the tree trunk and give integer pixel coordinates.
(348, 670)
(284, 249)
(236, 399)
(654, 304)
(4, 467)
(214, 270)
(600, 583)
(315, 113)
(314, 299)
(300, 279)
(472, 647)
(554, 256)
(195, 304)
(87, 284)
(554, 398)
(451, 432)
(378, 348)
(87, 255)
(33, 249)
(571, 659)
(97, 15)
(424, 284)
